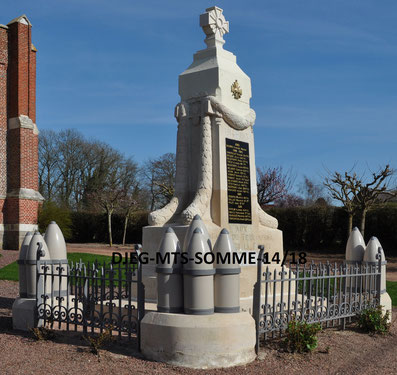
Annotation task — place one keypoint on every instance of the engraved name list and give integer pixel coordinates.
(238, 182)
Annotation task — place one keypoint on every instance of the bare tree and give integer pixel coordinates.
(290, 200)
(344, 189)
(273, 184)
(159, 177)
(48, 164)
(86, 166)
(84, 174)
(70, 144)
(313, 192)
(357, 196)
(367, 195)
(129, 204)
(110, 183)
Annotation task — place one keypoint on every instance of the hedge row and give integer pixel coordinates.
(325, 228)
(88, 227)
(304, 228)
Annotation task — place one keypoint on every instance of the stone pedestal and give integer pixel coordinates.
(386, 303)
(203, 342)
(244, 235)
(24, 315)
(24, 311)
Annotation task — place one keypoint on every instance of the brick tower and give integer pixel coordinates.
(19, 198)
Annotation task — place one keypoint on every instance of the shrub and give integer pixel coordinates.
(316, 228)
(312, 228)
(44, 333)
(301, 336)
(373, 321)
(92, 227)
(50, 211)
(97, 342)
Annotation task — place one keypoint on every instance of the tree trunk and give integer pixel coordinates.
(350, 224)
(125, 228)
(362, 225)
(110, 227)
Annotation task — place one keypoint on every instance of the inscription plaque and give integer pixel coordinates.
(238, 182)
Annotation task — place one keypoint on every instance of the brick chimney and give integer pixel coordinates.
(19, 198)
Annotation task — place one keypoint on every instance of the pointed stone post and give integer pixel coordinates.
(57, 250)
(198, 277)
(24, 310)
(22, 264)
(227, 276)
(197, 222)
(354, 256)
(372, 253)
(169, 274)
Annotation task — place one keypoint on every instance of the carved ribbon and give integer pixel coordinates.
(178, 208)
(232, 118)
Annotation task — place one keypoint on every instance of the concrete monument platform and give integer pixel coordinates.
(199, 341)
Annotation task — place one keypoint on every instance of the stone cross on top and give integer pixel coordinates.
(214, 26)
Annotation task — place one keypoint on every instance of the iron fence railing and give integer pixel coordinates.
(93, 296)
(314, 293)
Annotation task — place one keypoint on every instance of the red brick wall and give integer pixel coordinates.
(19, 49)
(21, 211)
(3, 114)
(2, 201)
(23, 159)
(13, 149)
(32, 85)
(22, 143)
(35, 163)
(19, 146)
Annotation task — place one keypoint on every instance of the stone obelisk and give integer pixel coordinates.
(215, 156)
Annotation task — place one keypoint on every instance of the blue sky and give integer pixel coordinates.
(324, 74)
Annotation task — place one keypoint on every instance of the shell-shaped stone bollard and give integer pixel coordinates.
(22, 264)
(355, 246)
(55, 242)
(169, 274)
(197, 222)
(198, 276)
(227, 276)
(37, 250)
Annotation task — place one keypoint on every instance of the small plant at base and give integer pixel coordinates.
(44, 333)
(97, 342)
(373, 321)
(301, 336)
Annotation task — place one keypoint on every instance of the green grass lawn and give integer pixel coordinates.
(391, 287)
(10, 272)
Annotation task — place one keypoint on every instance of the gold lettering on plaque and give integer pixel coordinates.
(238, 182)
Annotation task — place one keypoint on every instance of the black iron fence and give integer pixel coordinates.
(92, 296)
(314, 293)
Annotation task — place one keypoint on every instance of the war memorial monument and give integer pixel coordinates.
(215, 158)
(198, 315)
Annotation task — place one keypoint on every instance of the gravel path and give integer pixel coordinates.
(339, 352)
